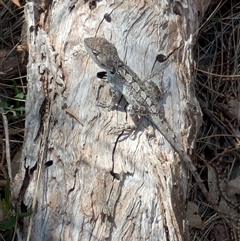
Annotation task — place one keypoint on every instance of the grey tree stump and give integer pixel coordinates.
(84, 183)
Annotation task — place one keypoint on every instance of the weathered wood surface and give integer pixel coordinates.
(93, 185)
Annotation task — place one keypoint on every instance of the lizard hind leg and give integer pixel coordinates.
(134, 112)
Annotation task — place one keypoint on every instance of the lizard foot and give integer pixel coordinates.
(115, 98)
(120, 128)
(109, 106)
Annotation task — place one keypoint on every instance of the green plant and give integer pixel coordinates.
(7, 208)
(17, 105)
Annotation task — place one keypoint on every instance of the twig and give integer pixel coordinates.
(8, 158)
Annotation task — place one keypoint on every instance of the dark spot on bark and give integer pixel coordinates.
(48, 163)
(102, 75)
(160, 58)
(31, 29)
(33, 169)
(115, 175)
(70, 8)
(92, 4)
(107, 17)
(23, 207)
(178, 9)
(165, 25)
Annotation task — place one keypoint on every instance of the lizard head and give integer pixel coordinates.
(103, 53)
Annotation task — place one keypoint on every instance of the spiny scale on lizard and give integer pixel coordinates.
(140, 96)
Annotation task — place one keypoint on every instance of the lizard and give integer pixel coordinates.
(141, 97)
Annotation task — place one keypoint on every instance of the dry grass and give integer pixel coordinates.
(12, 96)
(218, 153)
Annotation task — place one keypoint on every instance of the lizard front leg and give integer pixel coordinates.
(115, 98)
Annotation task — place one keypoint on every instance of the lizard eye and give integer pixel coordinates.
(94, 52)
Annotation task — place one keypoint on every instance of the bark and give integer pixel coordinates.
(94, 185)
